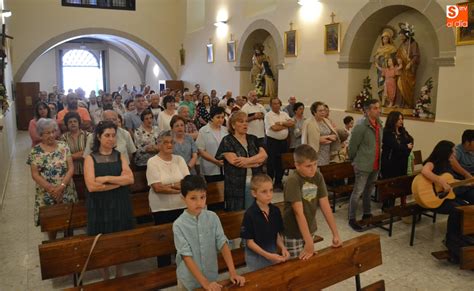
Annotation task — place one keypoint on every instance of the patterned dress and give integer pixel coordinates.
(235, 177)
(143, 138)
(76, 146)
(52, 166)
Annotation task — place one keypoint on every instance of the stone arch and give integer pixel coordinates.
(259, 30)
(256, 27)
(365, 28)
(93, 31)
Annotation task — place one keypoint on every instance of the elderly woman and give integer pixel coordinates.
(165, 117)
(164, 173)
(107, 176)
(243, 156)
(320, 134)
(295, 131)
(209, 138)
(118, 106)
(145, 138)
(42, 110)
(51, 168)
(76, 140)
(184, 144)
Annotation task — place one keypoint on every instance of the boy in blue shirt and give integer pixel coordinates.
(198, 236)
(262, 227)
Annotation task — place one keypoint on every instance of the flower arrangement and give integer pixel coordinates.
(4, 103)
(423, 104)
(364, 95)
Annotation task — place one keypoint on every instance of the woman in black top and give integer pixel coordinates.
(243, 157)
(439, 162)
(397, 144)
(107, 176)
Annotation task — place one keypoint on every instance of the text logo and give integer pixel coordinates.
(456, 15)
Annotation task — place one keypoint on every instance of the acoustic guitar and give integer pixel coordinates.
(431, 195)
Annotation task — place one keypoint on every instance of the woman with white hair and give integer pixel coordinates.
(51, 168)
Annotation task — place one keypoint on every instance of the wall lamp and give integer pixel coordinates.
(6, 13)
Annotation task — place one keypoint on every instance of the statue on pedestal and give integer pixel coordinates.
(408, 55)
(261, 73)
(385, 51)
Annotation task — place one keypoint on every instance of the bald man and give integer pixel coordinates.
(125, 143)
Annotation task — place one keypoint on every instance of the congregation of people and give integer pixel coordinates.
(186, 139)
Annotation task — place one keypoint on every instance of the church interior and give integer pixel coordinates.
(342, 53)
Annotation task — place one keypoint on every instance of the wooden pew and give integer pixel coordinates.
(337, 173)
(67, 257)
(467, 228)
(328, 267)
(67, 217)
(287, 161)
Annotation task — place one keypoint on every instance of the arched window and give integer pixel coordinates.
(82, 68)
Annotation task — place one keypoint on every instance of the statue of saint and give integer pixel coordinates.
(257, 62)
(408, 56)
(385, 51)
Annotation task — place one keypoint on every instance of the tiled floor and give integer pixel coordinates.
(403, 268)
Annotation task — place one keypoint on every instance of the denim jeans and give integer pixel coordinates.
(255, 261)
(364, 185)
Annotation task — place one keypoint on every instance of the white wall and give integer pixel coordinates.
(43, 70)
(151, 79)
(314, 75)
(121, 71)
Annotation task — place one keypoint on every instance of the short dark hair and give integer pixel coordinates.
(369, 103)
(138, 95)
(99, 130)
(175, 119)
(72, 115)
(127, 102)
(231, 100)
(168, 99)
(216, 111)
(145, 113)
(304, 153)
(192, 183)
(348, 119)
(297, 105)
(467, 136)
(314, 107)
(37, 107)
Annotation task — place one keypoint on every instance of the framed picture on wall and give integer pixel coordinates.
(291, 44)
(231, 51)
(465, 35)
(210, 52)
(332, 38)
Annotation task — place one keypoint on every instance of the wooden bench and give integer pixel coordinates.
(328, 267)
(67, 217)
(467, 228)
(67, 256)
(337, 173)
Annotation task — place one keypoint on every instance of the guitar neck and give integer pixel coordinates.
(461, 183)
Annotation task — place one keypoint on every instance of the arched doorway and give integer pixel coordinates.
(265, 33)
(437, 43)
(121, 40)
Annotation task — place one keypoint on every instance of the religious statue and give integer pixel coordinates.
(408, 56)
(261, 73)
(385, 51)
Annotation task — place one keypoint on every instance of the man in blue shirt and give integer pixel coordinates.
(463, 165)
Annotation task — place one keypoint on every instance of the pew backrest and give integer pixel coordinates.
(328, 267)
(394, 187)
(338, 171)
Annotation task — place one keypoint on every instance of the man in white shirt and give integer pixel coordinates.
(223, 102)
(256, 113)
(125, 143)
(276, 128)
